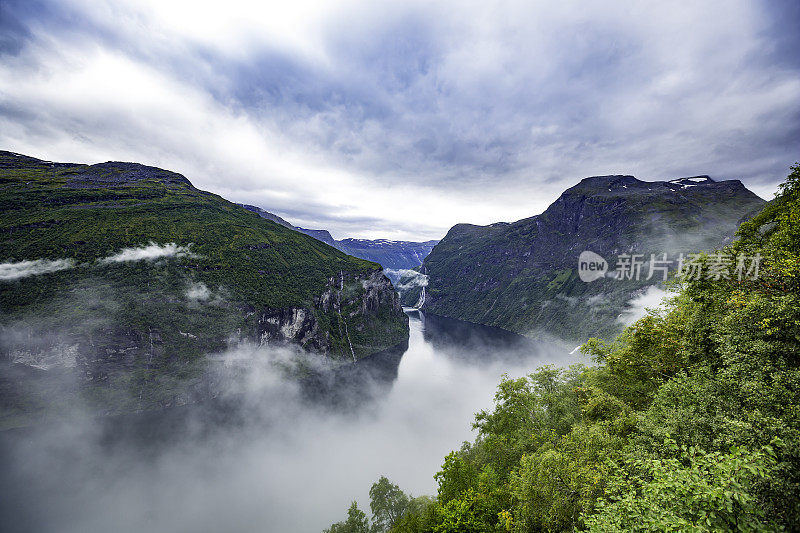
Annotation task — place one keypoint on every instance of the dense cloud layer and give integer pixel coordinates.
(360, 118)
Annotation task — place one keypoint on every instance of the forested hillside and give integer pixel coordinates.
(688, 421)
(126, 276)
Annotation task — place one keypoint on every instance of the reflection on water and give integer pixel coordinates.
(273, 456)
(441, 338)
(474, 342)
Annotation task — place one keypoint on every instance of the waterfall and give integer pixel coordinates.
(343, 321)
(421, 300)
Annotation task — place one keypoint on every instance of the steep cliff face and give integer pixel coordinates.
(129, 276)
(269, 216)
(356, 305)
(523, 275)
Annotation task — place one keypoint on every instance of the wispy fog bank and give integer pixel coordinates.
(413, 279)
(198, 291)
(637, 307)
(23, 269)
(148, 253)
(265, 458)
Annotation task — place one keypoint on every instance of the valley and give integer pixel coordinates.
(266, 444)
(392, 255)
(399, 267)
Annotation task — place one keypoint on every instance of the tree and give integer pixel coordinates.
(420, 517)
(356, 522)
(461, 515)
(696, 491)
(387, 503)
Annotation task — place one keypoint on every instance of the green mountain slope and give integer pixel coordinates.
(222, 275)
(523, 276)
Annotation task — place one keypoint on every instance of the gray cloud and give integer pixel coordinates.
(371, 109)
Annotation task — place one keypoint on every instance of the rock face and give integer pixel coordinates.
(393, 255)
(356, 303)
(324, 236)
(151, 275)
(119, 174)
(522, 276)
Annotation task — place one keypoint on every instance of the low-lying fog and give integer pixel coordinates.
(280, 463)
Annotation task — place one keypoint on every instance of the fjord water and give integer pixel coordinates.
(277, 461)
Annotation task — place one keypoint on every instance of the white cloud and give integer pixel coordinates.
(651, 298)
(238, 28)
(198, 292)
(413, 279)
(148, 253)
(23, 269)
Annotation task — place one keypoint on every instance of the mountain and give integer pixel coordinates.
(130, 275)
(269, 216)
(523, 275)
(322, 235)
(393, 255)
(390, 254)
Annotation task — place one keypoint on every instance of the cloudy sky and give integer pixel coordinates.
(400, 119)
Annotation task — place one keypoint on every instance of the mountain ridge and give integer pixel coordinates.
(522, 275)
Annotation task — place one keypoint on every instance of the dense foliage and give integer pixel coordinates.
(688, 421)
(387, 503)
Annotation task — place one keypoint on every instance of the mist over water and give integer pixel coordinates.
(272, 460)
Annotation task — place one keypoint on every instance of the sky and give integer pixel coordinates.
(397, 120)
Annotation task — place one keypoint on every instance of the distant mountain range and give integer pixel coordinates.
(395, 255)
(523, 276)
